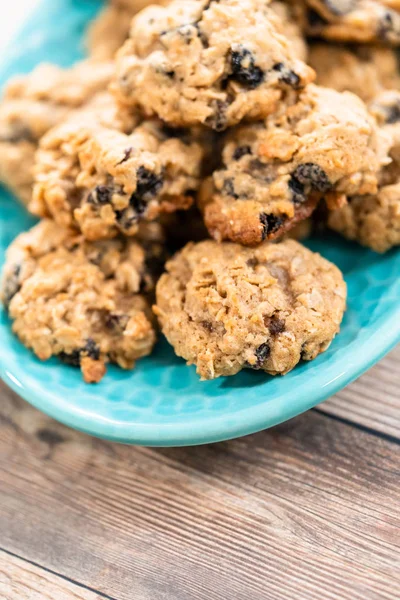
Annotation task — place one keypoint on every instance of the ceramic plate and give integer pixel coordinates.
(163, 402)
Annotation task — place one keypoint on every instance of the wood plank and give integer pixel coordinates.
(373, 400)
(308, 510)
(20, 580)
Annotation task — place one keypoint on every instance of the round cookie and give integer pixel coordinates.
(224, 307)
(104, 172)
(215, 63)
(353, 20)
(364, 70)
(34, 103)
(84, 302)
(274, 172)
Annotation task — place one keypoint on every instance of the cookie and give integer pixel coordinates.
(34, 103)
(224, 307)
(274, 172)
(81, 301)
(214, 63)
(373, 221)
(353, 20)
(106, 172)
(364, 70)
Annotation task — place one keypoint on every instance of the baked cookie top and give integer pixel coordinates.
(224, 307)
(34, 103)
(215, 63)
(275, 171)
(84, 302)
(105, 171)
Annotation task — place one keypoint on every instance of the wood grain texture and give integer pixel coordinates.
(308, 510)
(20, 580)
(373, 400)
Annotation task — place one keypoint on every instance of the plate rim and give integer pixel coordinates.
(244, 422)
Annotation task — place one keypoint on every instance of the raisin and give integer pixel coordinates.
(297, 189)
(244, 70)
(11, 285)
(91, 349)
(393, 114)
(305, 178)
(262, 353)
(148, 185)
(117, 323)
(102, 194)
(310, 174)
(241, 151)
(271, 224)
(73, 359)
(287, 75)
(389, 26)
(229, 188)
(217, 120)
(275, 325)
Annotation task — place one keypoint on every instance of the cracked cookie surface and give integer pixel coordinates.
(214, 63)
(81, 301)
(275, 171)
(224, 307)
(106, 171)
(34, 103)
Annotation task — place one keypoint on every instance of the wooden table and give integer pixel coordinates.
(308, 510)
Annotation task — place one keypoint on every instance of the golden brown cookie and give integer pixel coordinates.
(81, 301)
(105, 171)
(224, 307)
(34, 103)
(215, 63)
(274, 172)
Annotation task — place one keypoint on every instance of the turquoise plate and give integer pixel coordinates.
(162, 402)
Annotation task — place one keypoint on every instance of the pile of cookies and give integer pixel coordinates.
(176, 168)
